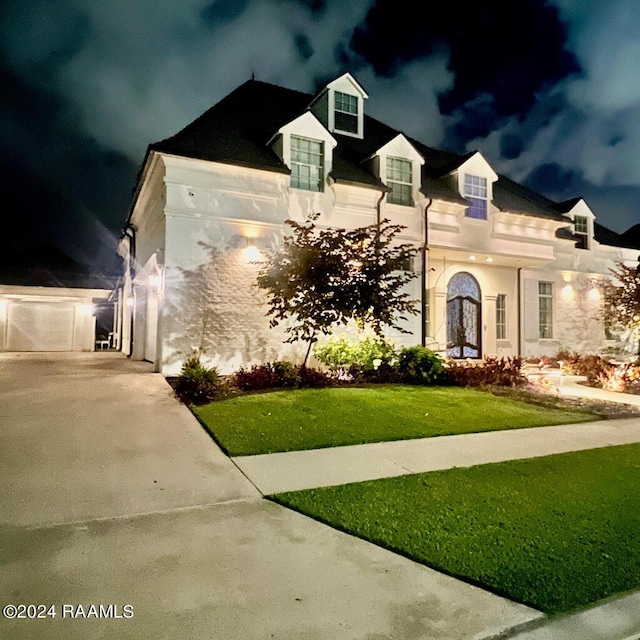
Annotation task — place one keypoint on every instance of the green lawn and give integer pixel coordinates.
(298, 419)
(555, 533)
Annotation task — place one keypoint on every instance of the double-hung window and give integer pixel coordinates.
(475, 190)
(581, 228)
(399, 180)
(501, 316)
(545, 310)
(345, 112)
(307, 164)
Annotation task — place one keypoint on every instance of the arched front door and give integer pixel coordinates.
(464, 317)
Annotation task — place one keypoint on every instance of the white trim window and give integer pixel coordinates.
(501, 316)
(475, 190)
(307, 164)
(545, 310)
(581, 228)
(345, 112)
(399, 179)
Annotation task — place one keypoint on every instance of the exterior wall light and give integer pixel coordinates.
(250, 251)
(155, 280)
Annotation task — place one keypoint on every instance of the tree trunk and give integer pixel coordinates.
(312, 339)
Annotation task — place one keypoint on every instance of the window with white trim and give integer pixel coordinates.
(399, 180)
(545, 310)
(307, 164)
(345, 112)
(475, 190)
(581, 228)
(501, 316)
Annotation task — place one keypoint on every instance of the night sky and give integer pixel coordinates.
(549, 92)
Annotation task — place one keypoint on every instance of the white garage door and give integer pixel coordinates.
(40, 326)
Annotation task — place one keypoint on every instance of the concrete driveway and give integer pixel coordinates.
(112, 494)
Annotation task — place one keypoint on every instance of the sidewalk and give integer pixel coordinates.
(296, 470)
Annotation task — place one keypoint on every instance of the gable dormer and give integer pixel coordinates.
(475, 179)
(583, 221)
(306, 147)
(398, 165)
(340, 106)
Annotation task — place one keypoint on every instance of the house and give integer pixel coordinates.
(504, 271)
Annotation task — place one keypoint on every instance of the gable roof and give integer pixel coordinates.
(237, 130)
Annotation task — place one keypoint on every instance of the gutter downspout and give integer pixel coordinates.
(378, 214)
(519, 295)
(130, 232)
(424, 250)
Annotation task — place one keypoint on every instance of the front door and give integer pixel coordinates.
(464, 317)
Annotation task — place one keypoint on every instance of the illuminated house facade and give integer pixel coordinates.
(505, 270)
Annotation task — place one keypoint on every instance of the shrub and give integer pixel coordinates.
(419, 365)
(271, 375)
(314, 378)
(358, 358)
(506, 372)
(198, 384)
(385, 373)
(279, 375)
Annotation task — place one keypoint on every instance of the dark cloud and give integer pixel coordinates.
(508, 50)
(551, 178)
(303, 45)
(511, 145)
(221, 12)
(70, 190)
(317, 7)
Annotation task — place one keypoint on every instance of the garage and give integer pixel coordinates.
(48, 318)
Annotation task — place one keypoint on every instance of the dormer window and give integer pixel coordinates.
(475, 190)
(307, 164)
(399, 180)
(345, 112)
(581, 229)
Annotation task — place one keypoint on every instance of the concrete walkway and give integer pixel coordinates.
(112, 494)
(572, 386)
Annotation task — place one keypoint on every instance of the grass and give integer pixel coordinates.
(555, 533)
(293, 420)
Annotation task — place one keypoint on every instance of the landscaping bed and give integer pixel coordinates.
(555, 533)
(297, 419)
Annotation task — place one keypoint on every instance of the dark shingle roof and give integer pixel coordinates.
(513, 197)
(237, 130)
(631, 237)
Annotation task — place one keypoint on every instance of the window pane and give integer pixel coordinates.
(346, 102)
(475, 190)
(581, 225)
(306, 163)
(399, 179)
(345, 112)
(477, 208)
(501, 316)
(545, 309)
(346, 122)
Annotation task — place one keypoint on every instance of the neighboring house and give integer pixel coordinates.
(49, 303)
(506, 271)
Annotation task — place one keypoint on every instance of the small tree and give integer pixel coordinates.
(323, 277)
(622, 300)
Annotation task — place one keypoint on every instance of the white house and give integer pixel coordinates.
(504, 271)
